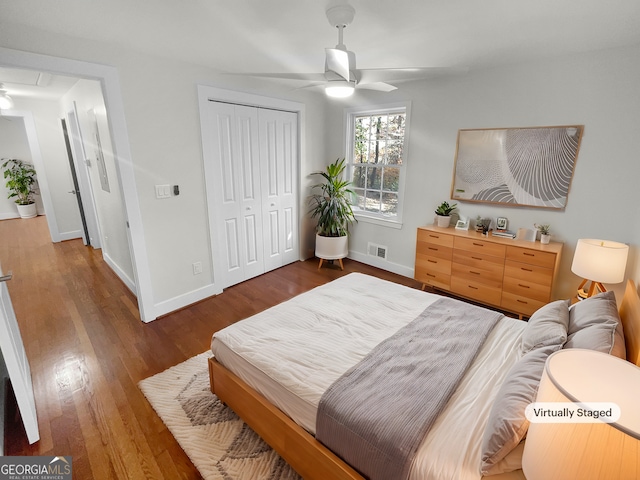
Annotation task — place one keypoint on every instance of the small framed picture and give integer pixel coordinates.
(462, 225)
(501, 223)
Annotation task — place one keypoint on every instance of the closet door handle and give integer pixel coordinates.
(7, 277)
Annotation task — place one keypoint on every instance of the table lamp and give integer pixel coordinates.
(599, 261)
(586, 451)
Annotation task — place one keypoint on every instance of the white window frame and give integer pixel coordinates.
(349, 121)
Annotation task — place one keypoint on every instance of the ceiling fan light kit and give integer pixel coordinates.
(339, 88)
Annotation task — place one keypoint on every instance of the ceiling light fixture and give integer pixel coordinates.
(339, 88)
(6, 102)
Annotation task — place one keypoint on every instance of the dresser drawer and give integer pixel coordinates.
(530, 273)
(433, 250)
(479, 246)
(435, 238)
(526, 288)
(433, 278)
(516, 303)
(429, 263)
(476, 290)
(532, 257)
(492, 278)
(479, 260)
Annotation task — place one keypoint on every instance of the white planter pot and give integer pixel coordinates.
(443, 221)
(27, 211)
(332, 248)
(544, 239)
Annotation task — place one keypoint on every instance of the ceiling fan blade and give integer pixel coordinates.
(338, 61)
(378, 86)
(372, 75)
(308, 77)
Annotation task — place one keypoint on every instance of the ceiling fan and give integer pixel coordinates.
(341, 77)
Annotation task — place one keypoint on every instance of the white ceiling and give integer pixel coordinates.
(290, 35)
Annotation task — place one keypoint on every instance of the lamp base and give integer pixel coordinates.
(594, 289)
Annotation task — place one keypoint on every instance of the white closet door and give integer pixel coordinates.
(237, 215)
(279, 173)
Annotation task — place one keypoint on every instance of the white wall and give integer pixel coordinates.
(598, 90)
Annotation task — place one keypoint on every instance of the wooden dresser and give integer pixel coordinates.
(513, 275)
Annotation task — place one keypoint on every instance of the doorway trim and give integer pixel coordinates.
(109, 81)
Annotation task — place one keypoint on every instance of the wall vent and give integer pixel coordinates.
(376, 250)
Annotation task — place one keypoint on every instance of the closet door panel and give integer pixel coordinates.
(278, 155)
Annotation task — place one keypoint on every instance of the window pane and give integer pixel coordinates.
(394, 153)
(361, 139)
(373, 202)
(389, 203)
(359, 177)
(374, 178)
(359, 201)
(396, 126)
(391, 179)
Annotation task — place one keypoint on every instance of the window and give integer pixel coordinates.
(377, 161)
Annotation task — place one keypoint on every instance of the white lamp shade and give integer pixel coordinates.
(339, 88)
(586, 451)
(600, 260)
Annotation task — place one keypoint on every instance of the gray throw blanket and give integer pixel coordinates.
(376, 415)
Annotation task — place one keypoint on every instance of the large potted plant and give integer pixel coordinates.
(21, 183)
(332, 207)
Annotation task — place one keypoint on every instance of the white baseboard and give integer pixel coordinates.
(382, 264)
(176, 303)
(131, 284)
(8, 216)
(69, 235)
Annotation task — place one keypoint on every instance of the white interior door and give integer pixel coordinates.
(17, 363)
(84, 180)
(279, 173)
(236, 196)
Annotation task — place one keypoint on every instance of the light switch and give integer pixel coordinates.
(163, 191)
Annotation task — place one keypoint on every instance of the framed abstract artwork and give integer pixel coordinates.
(530, 167)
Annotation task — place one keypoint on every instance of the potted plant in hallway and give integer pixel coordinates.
(21, 183)
(332, 206)
(443, 212)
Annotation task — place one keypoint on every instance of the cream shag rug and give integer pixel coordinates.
(219, 444)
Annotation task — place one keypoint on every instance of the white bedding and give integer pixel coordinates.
(315, 337)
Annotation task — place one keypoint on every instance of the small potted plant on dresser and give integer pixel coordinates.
(21, 183)
(443, 213)
(332, 207)
(545, 233)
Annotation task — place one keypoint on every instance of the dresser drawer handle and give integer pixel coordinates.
(434, 236)
(523, 286)
(432, 261)
(522, 301)
(472, 287)
(477, 258)
(475, 273)
(430, 275)
(478, 244)
(526, 269)
(529, 254)
(433, 248)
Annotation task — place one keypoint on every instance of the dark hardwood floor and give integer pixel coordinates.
(88, 350)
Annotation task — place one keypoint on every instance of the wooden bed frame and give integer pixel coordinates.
(307, 456)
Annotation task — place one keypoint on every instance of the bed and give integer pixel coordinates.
(274, 368)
